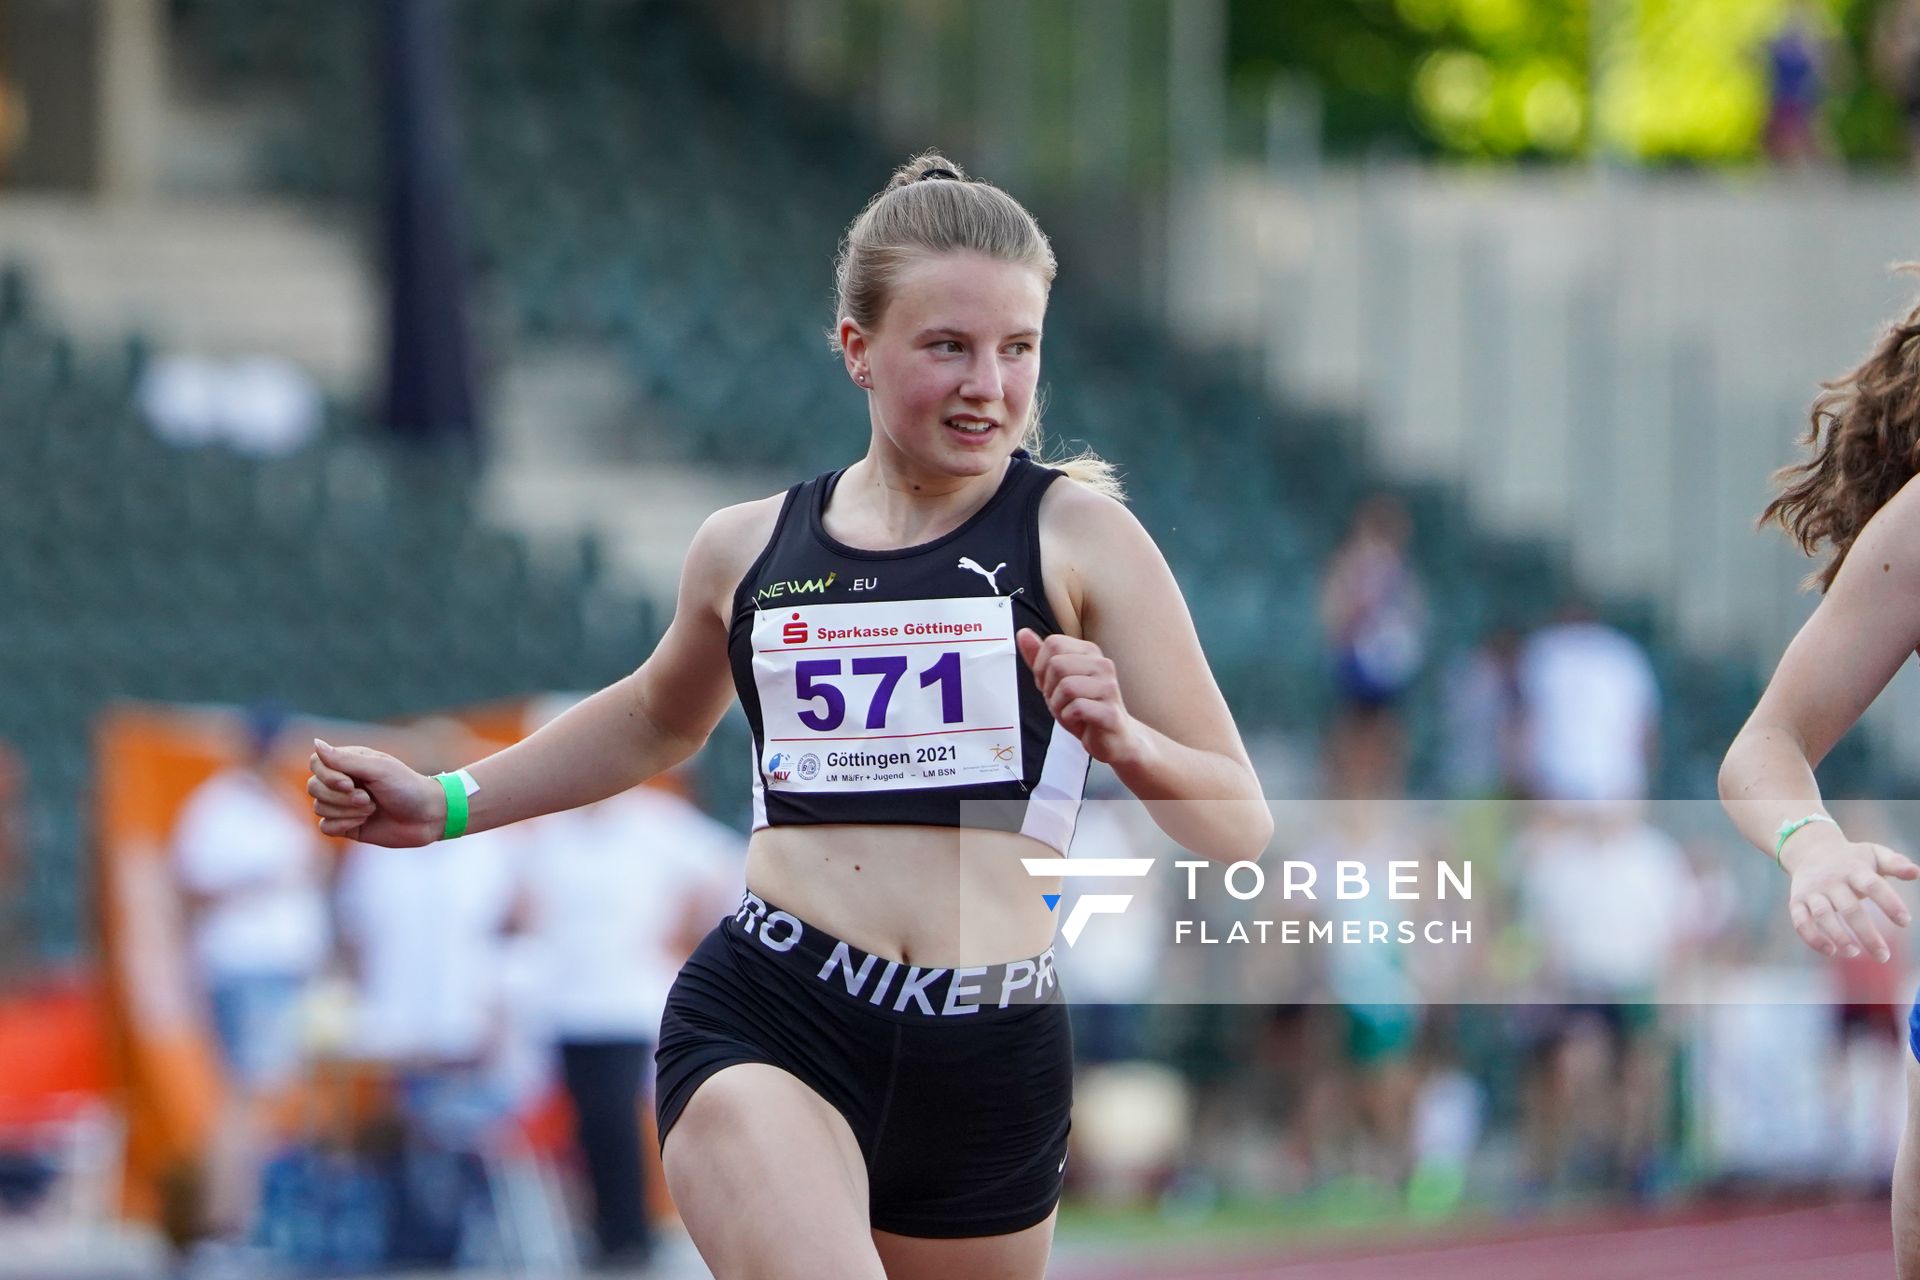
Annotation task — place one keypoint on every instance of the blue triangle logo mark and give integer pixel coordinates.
(1052, 900)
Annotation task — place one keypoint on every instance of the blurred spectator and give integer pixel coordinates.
(1868, 1089)
(1799, 59)
(1374, 616)
(1112, 970)
(421, 932)
(423, 938)
(620, 892)
(1449, 1117)
(1868, 1085)
(249, 863)
(1131, 1117)
(1372, 609)
(1131, 1124)
(1367, 1106)
(1590, 707)
(1611, 902)
(1483, 720)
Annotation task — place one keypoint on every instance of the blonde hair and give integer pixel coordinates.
(922, 212)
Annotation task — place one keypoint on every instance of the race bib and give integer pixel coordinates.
(878, 696)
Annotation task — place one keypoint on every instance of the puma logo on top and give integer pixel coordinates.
(968, 562)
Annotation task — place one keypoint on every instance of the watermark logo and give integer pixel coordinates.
(1087, 905)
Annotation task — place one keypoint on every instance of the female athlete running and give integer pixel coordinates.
(1854, 495)
(867, 1070)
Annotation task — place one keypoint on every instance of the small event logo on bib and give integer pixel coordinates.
(780, 766)
(809, 766)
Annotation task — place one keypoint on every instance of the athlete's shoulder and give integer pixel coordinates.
(1902, 510)
(730, 539)
(1083, 517)
(1095, 549)
(730, 524)
(1889, 543)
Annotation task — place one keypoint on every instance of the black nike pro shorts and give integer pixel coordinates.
(957, 1083)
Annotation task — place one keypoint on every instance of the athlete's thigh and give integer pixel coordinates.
(1021, 1255)
(770, 1180)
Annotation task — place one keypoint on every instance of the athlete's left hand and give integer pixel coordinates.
(1082, 692)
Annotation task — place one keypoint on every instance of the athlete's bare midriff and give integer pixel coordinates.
(923, 895)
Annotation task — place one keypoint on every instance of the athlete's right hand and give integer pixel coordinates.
(1833, 880)
(367, 795)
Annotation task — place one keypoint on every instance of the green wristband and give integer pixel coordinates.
(1786, 829)
(456, 788)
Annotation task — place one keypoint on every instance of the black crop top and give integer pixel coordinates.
(885, 686)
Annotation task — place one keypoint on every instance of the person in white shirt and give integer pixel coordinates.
(1612, 902)
(1591, 708)
(619, 894)
(422, 929)
(249, 864)
(424, 941)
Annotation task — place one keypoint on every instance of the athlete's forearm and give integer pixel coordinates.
(1208, 803)
(1765, 781)
(599, 747)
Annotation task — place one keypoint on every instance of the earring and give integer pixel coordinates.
(861, 378)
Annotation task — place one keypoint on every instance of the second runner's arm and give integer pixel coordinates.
(1863, 630)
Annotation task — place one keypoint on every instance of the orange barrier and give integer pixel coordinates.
(53, 1051)
(159, 1042)
(148, 761)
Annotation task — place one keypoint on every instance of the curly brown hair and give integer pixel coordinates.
(1864, 431)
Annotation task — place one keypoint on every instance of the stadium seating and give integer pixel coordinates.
(352, 579)
(631, 183)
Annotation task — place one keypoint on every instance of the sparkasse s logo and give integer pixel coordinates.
(795, 632)
(1087, 905)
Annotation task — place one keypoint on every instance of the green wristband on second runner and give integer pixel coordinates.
(458, 786)
(1789, 827)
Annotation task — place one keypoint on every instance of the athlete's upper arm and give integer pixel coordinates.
(684, 685)
(1863, 630)
(1130, 605)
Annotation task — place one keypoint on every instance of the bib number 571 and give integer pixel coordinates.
(812, 681)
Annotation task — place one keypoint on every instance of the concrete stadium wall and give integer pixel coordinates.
(1617, 360)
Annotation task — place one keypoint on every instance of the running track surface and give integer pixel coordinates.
(1850, 1240)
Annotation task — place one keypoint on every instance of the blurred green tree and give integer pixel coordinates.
(1678, 81)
